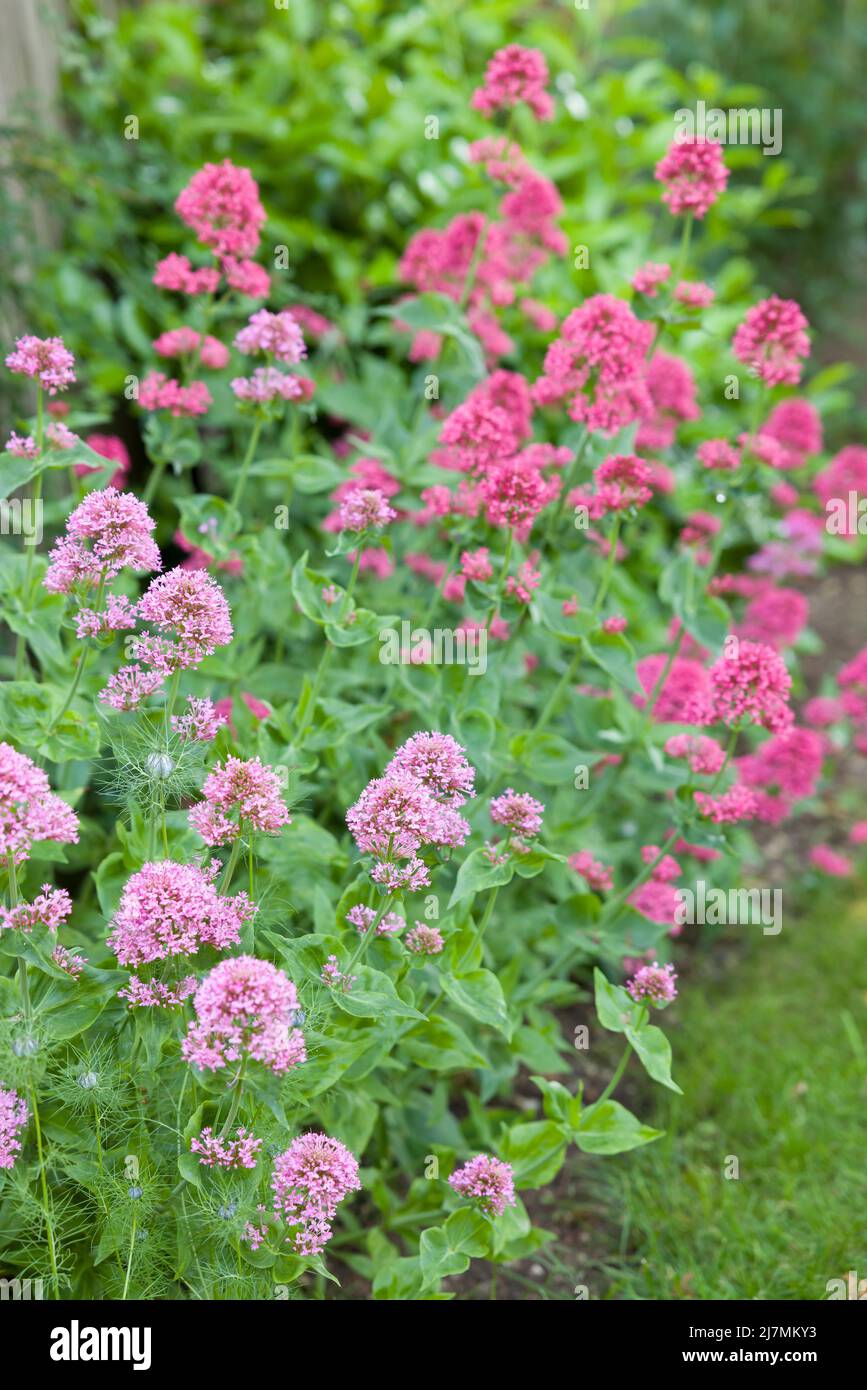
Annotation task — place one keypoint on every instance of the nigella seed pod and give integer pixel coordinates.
(296, 1018)
(227, 1211)
(88, 1080)
(135, 1193)
(159, 765)
(25, 1047)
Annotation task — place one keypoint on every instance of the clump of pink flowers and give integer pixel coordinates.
(201, 723)
(189, 611)
(750, 685)
(48, 909)
(772, 340)
(515, 74)
(703, 754)
(216, 1152)
(654, 984)
(310, 1180)
(598, 365)
(13, 1118)
(221, 204)
(488, 1181)
(239, 796)
(29, 809)
(274, 335)
(830, 862)
(107, 532)
(365, 509)
(245, 1009)
(694, 174)
(424, 940)
(597, 875)
(46, 360)
(168, 909)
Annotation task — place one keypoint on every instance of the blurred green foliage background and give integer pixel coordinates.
(326, 101)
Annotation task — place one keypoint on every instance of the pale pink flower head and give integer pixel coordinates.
(718, 453)
(267, 384)
(519, 811)
(169, 909)
(189, 611)
(750, 685)
(275, 335)
(478, 434)
(310, 1180)
(397, 814)
(362, 918)
(829, 862)
(656, 900)
(245, 1008)
(858, 833)
(623, 481)
(694, 174)
(424, 940)
(515, 491)
(737, 804)
(221, 205)
(510, 392)
(13, 1117)
(365, 509)
(648, 278)
(653, 983)
(703, 754)
(440, 764)
(29, 809)
(515, 74)
(598, 876)
(487, 1181)
(685, 685)
(598, 363)
(694, 294)
(823, 710)
(776, 616)
(180, 342)
(772, 340)
(47, 360)
(22, 446)
(48, 910)
(159, 392)
(476, 564)
(847, 472)
(247, 277)
(796, 425)
(201, 722)
(175, 272)
(239, 796)
(129, 687)
(107, 532)
(672, 390)
(216, 1152)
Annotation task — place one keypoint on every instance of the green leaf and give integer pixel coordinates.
(608, 1128)
(373, 996)
(478, 873)
(445, 1250)
(480, 995)
(536, 1151)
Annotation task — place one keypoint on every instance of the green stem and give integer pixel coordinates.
(46, 1206)
(556, 693)
(230, 867)
(129, 1258)
(236, 1102)
(615, 1080)
(568, 481)
(685, 238)
(504, 570)
(153, 481)
(21, 642)
(350, 589)
(362, 945)
(245, 466)
(608, 572)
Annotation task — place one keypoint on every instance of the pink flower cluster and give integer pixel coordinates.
(221, 204)
(694, 174)
(487, 1181)
(201, 723)
(29, 809)
(168, 909)
(240, 796)
(245, 1008)
(413, 804)
(181, 342)
(598, 364)
(518, 811)
(598, 876)
(750, 685)
(107, 532)
(159, 392)
(424, 940)
(365, 509)
(13, 1117)
(310, 1180)
(772, 340)
(216, 1152)
(515, 74)
(48, 909)
(47, 360)
(654, 983)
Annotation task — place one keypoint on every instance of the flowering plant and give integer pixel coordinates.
(297, 914)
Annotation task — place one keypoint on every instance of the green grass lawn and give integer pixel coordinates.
(771, 1052)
